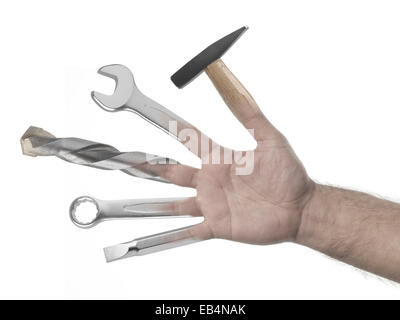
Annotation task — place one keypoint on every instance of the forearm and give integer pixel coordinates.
(355, 228)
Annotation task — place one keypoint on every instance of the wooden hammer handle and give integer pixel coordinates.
(235, 95)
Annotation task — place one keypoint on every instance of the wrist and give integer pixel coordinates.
(325, 224)
(322, 226)
(306, 226)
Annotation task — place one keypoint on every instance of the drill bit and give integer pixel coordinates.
(38, 142)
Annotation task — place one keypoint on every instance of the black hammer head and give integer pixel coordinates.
(213, 52)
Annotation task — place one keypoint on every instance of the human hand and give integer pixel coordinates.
(262, 207)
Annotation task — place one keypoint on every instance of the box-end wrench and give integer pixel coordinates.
(123, 209)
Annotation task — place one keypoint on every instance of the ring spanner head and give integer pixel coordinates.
(92, 216)
(124, 88)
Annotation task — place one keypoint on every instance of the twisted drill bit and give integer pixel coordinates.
(38, 142)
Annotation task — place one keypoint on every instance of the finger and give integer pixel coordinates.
(239, 100)
(187, 207)
(201, 231)
(179, 174)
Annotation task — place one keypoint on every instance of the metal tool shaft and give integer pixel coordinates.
(149, 244)
(124, 209)
(38, 142)
(156, 114)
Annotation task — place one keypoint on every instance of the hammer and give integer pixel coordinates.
(235, 95)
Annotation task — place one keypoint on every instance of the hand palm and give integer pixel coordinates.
(262, 207)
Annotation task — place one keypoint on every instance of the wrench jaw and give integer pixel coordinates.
(125, 87)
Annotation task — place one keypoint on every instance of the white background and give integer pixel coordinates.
(326, 73)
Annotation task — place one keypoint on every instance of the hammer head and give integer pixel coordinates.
(200, 62)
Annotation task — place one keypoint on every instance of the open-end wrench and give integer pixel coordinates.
(127, 97)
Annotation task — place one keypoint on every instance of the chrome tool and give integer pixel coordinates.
(127, 97)
(38, 142)
(123, 209)
(149, 244)
(136, 208)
